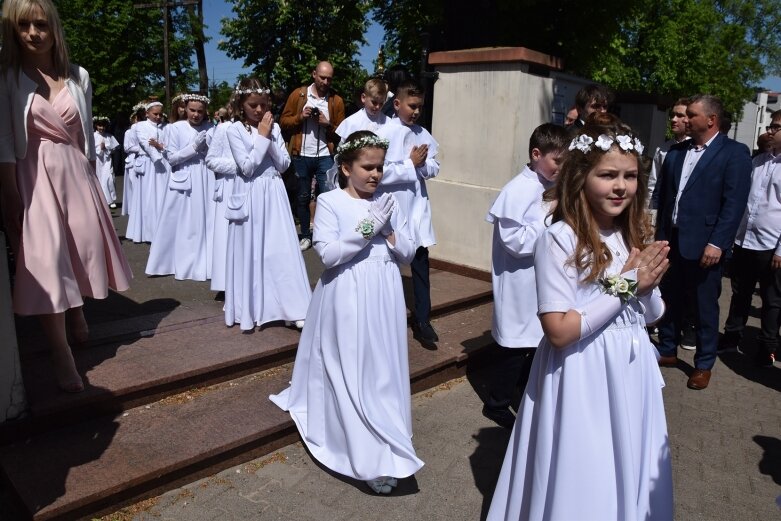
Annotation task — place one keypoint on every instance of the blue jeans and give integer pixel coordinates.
(308, 168)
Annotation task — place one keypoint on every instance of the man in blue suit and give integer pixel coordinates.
(703, 191)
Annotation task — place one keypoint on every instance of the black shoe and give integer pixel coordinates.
(729, 342)
(689, 339)
(765, 358)
(424, 332)
(502, 417)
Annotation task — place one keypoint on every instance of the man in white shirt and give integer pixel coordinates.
(757, 254)
(311, 116)
(678, 122)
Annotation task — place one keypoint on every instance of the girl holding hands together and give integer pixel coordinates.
(590, 440)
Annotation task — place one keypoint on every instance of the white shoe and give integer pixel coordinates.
(305, 243)
(379, 486)
(390, 481)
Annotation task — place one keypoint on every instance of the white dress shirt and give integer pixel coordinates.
(760, 229)
(693, 156)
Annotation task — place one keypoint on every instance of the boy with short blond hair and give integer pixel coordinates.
(409, 162)
(518, 217)
(370, 117)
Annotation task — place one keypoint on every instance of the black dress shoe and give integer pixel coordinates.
(502, 417)
(424, 332)
(729, 342)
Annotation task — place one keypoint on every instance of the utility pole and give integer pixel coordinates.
(165, 6)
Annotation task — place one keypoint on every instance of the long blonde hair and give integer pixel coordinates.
(11, 53)
(591, 256)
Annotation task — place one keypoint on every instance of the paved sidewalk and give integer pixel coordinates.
(725, 441)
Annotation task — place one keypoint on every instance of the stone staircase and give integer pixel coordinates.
(173, 395)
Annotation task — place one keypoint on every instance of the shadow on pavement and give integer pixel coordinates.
(770, 464)
(742, 363)
(486, 460)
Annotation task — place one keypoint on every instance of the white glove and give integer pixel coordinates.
(200, 140)
(381, 210)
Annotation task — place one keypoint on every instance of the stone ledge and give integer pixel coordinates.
(495, 55)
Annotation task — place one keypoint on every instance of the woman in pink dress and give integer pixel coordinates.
(57, 222)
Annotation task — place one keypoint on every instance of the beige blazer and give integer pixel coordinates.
(16, 96)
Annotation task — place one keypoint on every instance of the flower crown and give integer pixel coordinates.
(604, 142)
(259, 90)
(152, 105)
(95, 119)
(139, 106)
(176, 98)
(186, 98)
(363, 142)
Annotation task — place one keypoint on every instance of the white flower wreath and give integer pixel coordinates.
(604, 142)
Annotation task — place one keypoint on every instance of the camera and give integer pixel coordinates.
(315, 113)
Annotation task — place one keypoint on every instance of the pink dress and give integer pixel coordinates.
(69, 248)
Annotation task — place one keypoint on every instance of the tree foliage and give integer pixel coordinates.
(122, 48)
(282, 40)
(667, 47)
(405, 22)
(682, 47)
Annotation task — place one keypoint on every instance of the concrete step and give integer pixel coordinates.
(101, 464)
(144, 358)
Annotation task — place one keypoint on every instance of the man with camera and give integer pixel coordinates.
(310, 118)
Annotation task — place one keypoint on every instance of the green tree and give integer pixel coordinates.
(682, 47)
(282, 40)
(405, 22)
(121, 47)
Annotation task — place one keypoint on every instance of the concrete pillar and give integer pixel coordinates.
(487, 102)
(12, 398)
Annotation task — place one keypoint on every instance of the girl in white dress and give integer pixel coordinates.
(350, 391)
(265, 275)
(182, 242)
(105, 144)
(130, 145)
(151, 176)
(590, 441)
(220, 161)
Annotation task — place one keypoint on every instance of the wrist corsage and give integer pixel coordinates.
(365, 228)
(618, 286)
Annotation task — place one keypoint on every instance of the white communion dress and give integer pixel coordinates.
(350, 391)
(590, 440)
(182, 244)
(265, 275)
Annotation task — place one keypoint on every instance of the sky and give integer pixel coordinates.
(221, 68)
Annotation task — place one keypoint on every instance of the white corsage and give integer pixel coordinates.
(618, 286)
(365, 228)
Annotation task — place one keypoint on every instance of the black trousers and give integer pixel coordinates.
(421, 285)
(509, 372)
(747, 268)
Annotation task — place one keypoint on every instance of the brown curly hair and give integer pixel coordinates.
(591, 256)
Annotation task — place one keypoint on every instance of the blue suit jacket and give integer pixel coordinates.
(713, 200)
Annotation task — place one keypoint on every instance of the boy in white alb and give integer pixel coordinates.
(370, 117)
(411, 159)
(518, 216)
